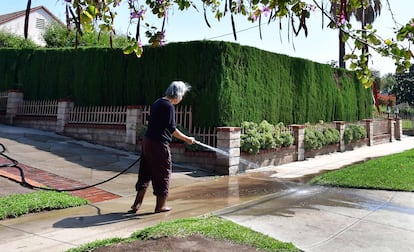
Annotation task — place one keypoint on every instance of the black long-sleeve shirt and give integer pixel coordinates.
(161, 122)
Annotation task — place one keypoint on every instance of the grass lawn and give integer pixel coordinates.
(208, 226)
(393, 172)
(19, 204)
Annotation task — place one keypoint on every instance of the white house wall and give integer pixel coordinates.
(16, 26)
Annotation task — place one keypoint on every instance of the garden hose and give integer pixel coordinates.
(14, 163)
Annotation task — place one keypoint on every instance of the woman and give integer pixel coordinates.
(155, 164)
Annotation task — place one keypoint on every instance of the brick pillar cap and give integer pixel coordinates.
(367, 120)
(340, 122)
(298, 126)
(14, 91)
(228, 129)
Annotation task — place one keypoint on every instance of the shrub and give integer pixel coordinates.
(250, 138)
(331, 134)
(264, 136)
(57, 36)
(353, 133)
(282, 137)
(314, 139)
(409, 111)
(386, 100)
(8, 40)
(190, 147)
(266, 132)
(317, 138)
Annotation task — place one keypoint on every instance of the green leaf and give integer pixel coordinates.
(353, 66)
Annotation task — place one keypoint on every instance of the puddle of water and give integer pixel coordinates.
(315, 198)
(241, 186)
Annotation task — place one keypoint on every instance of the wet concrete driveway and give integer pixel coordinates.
(312, 218)
(331, 219)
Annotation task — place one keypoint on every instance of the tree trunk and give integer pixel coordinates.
(26, 19)
(341, 50)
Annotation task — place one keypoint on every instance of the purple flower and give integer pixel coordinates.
(138, 14)
(161, 38)
(266, 11)
(253, 17)
(412, 25)
(312, 7)
(342, 20)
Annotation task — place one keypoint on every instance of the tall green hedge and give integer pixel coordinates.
(230, 83)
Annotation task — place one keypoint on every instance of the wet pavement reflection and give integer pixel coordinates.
(274, 196)
(285, 202)
(243, 186)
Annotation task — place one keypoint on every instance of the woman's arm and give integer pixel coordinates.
(178, 134)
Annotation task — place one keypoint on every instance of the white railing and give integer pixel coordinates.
(99, 115)
(38, 108)
(207, 136)
(183, 116)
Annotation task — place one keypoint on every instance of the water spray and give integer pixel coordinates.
(217, 150)
(213, 148)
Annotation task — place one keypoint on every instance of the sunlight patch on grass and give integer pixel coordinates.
(394, 172)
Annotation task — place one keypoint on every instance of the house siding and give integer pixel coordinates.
(16, 26)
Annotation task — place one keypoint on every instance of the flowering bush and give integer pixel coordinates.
(316, 139)
(264, 136)
(353, 133)
(386, 100)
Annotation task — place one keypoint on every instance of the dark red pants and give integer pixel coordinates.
(155, 167)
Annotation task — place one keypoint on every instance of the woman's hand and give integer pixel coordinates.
(190, 140)
(178, 134)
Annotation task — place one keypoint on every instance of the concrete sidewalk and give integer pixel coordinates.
(314, 218)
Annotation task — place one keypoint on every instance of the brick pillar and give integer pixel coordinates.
(228, 140)
(299, 134)
(391, 128)
(340, 126)
(14, 99)
(369, 127)
(133, 123)
(65, 106)
(398, 128)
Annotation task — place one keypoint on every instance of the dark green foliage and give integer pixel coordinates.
(8, 40)
(263, 136)
(190, 147)
(354, 132)
(230, 83)
(314, 139)
(331, 135)
(317, 138)
(58, 36)
(403, 89)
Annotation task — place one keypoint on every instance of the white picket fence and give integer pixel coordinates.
(110, 115)
(99, 115)
(38, 108)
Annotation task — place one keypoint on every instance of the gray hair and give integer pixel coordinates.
(177, 89)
